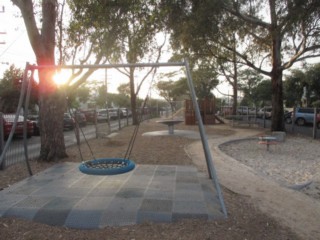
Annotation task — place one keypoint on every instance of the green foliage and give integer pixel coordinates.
(10, 86)
(205, 80)
(298, 80)
(79, 95)
(264, 92)
(316, 104)
(293, 87)
(124, 89)
(248, 82)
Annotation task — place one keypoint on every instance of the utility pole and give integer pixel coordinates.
(2, 11)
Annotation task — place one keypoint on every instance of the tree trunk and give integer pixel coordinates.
(51, 119)
(51, 101)
(277, 123)
(52, 105)
(133, 98)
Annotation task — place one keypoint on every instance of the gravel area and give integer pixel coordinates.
(294, 163)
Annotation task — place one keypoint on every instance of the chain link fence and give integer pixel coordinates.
(21, 149)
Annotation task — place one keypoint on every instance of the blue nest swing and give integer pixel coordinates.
(107, 166)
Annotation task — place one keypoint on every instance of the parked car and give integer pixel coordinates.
(243, 110)
(8, 120)
(80, 118)
(113, 113)
(102, 115)
(305, 116)
(125, 112)
(68, 122)
(90, 114)
(288, 117)
(35, 121)
(265, 112)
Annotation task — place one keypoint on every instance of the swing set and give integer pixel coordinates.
(111, 166)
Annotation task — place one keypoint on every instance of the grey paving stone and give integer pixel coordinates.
(110, 184)
(187, 168)
(188, 195)
(157, 194)
(187, 178)
(188, 186)
(25, 189)
(86, 182)
(33, 202)
(170, 172)
(118, 218)
(54, 217)
(93, 203)
(75, 192)
(144, 170)
(103, 192)
(9, 200)
(88, 219)
(50, 190)
(156, 205)
(168, 168)
(124, 204)
(130, 193)
(189, 207)
(160, 217)
(21, 212)
(165, 185)
(61, 203)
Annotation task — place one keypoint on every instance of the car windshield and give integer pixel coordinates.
(11, 117)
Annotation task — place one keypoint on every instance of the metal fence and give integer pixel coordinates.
(252, 121)
(15, 152)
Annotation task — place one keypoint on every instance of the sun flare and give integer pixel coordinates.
(61, 77)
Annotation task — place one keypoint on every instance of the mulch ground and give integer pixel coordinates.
(244, 220)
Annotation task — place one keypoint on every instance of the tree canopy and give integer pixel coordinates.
(270, 36)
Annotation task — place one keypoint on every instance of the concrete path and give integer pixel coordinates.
(293, 208)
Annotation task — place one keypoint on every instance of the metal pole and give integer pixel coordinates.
(25, 130)
(124, 65)
(1, 139)
(21, 99)
(314, 132)
(211, 170)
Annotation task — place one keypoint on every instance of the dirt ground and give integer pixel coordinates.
(244, 220)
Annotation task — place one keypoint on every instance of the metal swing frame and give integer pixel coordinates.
(185, 64)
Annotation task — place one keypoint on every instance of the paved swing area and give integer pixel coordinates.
(63, 196)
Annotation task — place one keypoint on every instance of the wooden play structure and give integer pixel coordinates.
(207, 111)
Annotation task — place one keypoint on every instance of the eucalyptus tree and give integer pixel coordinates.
(132, 28)
(271, 35)
(41, 27)
(249, 79)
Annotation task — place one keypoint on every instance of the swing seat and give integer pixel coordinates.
(107, 166)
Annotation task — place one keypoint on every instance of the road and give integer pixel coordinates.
(292, 128)
(15, 152)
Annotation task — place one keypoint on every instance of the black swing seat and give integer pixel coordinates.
(107, 166)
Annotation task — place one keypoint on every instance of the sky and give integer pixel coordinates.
(17, 50)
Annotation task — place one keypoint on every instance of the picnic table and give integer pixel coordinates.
(170, 123)
(267, 140)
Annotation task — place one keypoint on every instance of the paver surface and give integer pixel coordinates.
(63, 196)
